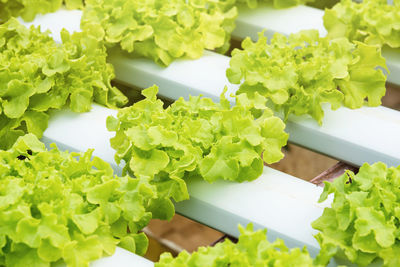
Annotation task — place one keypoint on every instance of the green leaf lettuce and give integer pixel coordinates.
(60, 206)
(195, 138)
(374, 22)
(37, 75)
(161, 30)
(28, 9)
(301, 72)
(363, 222)
(252, 249)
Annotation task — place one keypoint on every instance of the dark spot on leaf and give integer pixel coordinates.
(350, 180)
(29, 152)
(21, 157)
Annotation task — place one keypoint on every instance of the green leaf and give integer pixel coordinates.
(82, 252)
(48, 252)
(364, 80)
(74, 4)
(24, 256)
(88, 222)
(56, 64)
(148, 163)
(36, 122)
(374, 221)
(390, 255)
(162, 209)
(28, 142)
(16, 98)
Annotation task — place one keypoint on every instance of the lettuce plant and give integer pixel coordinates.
(37, 74)
(301, 72)
(161, 30)
(372, 21)
(195, 138)
(363, 223)
(28, 9)
(69, 207)
(252, 249)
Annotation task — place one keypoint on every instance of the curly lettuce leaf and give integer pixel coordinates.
(28, 9)
(161, 30)
(374, 22)
(252, 249)
(362, 224)
(195, 138)
(301, 72)
(37, 74)
(60, 206)
(74, 4)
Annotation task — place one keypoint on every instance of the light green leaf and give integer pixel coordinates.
(88, 222)
(148, 163)
(16, 98)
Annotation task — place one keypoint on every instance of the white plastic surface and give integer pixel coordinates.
(55, 22)
(286, 21)
(291, 20)
(221, 205)
(354, 136)
(283, 204)
(205, 76)
(81, 131)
